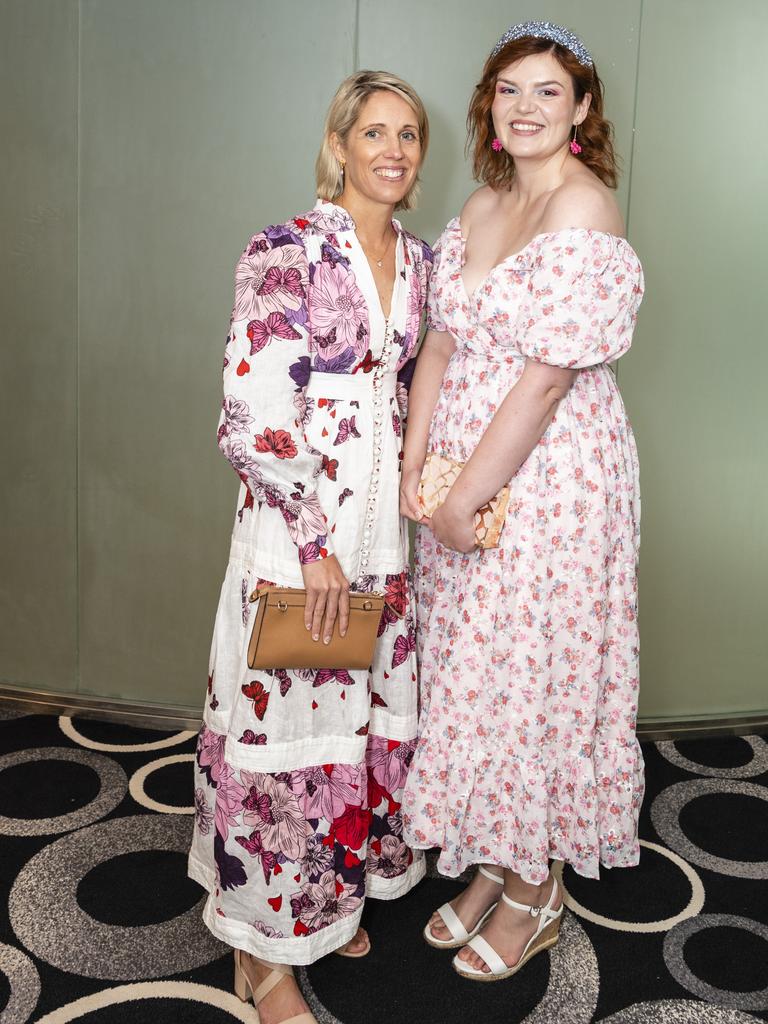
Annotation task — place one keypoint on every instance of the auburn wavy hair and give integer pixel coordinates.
(595, 134)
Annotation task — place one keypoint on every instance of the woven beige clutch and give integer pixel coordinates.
(437, 478)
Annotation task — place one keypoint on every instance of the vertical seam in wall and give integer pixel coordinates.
(356, 38)
(78, 674)
(634, 114)
(634, 130)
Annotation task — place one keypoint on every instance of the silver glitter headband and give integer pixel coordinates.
(547, 30)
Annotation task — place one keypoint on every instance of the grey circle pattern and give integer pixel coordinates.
(757, 766)
(665, 815)
(114, 786)
(677, 1011)
(574, 979)
(674, 957)
(47, 919)
(24, 982)
(6, 714)
(572, 990)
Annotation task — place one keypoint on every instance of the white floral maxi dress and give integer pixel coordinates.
(299, 774)
(529, 652)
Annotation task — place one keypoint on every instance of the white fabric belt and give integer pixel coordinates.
(348, 385)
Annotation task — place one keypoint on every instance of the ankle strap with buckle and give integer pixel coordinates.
(536, 911)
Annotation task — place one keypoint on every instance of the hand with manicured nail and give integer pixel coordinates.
(327, 598)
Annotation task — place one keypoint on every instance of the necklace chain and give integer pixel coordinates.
(379, 261)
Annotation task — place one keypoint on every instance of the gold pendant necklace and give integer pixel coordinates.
(379, 262)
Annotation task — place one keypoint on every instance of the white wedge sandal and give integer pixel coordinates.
(275, 976)
(545, 936)
(459, 934)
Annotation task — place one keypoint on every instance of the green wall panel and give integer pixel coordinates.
(200, 124)
(38, 300)
(694, 382)
(144, 142)
(440, 48)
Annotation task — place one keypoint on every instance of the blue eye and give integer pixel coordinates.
(409, 136)
(371, 133)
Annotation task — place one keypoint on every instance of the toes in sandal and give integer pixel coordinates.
(459, 934)
(343, 951)
(275, 976)
(545, 936)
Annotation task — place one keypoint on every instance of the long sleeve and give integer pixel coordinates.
(266, 371)
(581, 301)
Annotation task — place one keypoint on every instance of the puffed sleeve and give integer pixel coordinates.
(420, 257)
(266, 372)
(434, 291)
(581, 299)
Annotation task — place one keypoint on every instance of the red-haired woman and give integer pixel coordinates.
(529, 650)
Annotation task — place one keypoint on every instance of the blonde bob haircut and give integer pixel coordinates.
(343, 113)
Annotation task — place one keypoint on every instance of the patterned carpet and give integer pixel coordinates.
(100, 925)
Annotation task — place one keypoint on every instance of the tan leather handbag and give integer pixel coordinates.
(280, 639)
(437, 478)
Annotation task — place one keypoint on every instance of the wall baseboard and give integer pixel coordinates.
(84, 705)
(169, 716)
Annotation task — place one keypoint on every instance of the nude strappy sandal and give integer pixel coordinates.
(275, 976)
(459, 934)
(355, 956)
(545, 936)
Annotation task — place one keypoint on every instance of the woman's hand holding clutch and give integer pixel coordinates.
(453, 527)
(409, 489)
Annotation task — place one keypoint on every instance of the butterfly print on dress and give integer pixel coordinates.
(255, 692)
(347, 429)
(254, 846)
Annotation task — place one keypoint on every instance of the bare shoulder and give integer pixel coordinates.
(583, 201)
(479, 204)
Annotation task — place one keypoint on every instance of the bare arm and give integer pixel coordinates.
(519, 424)
(436, 351)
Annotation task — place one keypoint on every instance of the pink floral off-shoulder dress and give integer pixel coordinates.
(529, 652)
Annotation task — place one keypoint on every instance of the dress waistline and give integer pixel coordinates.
(349, 385)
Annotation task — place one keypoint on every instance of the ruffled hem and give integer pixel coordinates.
(520, 813)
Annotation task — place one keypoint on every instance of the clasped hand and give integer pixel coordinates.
(454, 528)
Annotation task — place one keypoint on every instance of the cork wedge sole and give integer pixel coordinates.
(546, 935)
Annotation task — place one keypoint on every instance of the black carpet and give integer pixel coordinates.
(99, 923)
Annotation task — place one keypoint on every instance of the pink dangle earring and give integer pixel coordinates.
(496, 145)
(574, 147)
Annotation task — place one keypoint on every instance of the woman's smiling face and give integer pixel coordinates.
(382, 152)
(534, 108)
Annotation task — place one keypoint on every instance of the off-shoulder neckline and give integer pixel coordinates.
(537, 238)
(456, 223)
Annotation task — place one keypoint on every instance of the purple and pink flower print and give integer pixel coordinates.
(337, 311)
(302, 841)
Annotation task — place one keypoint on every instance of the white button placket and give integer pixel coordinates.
(378, 426)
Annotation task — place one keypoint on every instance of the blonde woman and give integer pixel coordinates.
(300, 773)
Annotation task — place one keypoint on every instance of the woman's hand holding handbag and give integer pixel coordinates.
(289, 623)
(327, 597)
